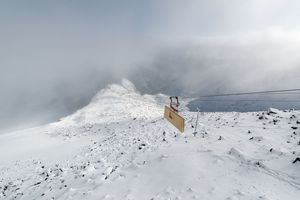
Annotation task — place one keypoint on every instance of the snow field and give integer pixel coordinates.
(120, 147)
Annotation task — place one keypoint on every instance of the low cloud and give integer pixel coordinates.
(258, 61)
(54, 56)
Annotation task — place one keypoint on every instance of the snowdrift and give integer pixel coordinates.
(120, 147)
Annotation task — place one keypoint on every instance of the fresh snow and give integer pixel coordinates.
(120, 147)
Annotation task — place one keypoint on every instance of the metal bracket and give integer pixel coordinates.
(174, 105)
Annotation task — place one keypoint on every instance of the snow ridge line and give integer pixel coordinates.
(279, 175)
(257, 164)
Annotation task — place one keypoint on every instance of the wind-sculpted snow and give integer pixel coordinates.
(117, 103)
(120, 147)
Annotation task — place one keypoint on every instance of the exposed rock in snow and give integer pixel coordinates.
(120, 147)
(273, 111)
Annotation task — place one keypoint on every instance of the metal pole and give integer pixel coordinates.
(196, 125)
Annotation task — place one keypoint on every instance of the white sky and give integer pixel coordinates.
(55, 54)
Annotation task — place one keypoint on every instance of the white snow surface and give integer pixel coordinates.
(120, 147)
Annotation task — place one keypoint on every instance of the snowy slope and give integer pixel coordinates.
(116, 103)
(120, 147)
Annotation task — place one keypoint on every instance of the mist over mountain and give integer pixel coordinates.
(220, 67)
(182, 69)
(55, 56)
(85, 88)
(226, 67)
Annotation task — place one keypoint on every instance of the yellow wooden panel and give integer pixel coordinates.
(174, 118)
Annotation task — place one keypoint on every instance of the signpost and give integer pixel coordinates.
(174, 118)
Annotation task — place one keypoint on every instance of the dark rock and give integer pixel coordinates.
(296, 160)
(271, 111)
(258, 164)
(37, 183)
(294, 127)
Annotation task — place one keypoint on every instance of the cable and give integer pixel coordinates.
(246, 93)
(246, 100)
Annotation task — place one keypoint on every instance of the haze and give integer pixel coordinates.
(55, 55)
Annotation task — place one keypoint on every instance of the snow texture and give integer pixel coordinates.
(120, 147)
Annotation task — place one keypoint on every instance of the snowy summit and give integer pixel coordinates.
(120, 147)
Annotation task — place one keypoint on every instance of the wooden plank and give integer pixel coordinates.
(174, 118)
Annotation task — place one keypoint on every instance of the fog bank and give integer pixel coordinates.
(55, 55)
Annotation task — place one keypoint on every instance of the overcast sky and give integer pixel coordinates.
(54, 55)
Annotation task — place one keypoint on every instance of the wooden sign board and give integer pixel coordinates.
(174, 118)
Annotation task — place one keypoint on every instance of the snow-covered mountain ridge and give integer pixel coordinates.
(120, 147)
(117, 103)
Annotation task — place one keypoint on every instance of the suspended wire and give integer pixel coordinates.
(246, 100)
(296, 93)
(283, 92)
